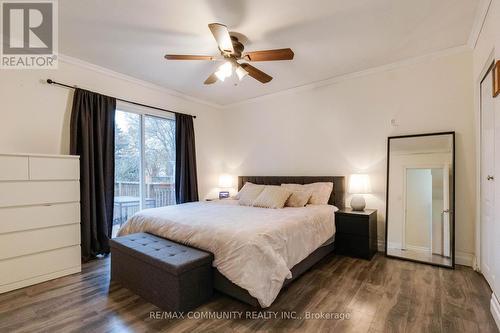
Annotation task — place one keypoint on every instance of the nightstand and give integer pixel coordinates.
(356, 233)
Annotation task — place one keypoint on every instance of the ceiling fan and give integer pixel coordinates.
(231, 51)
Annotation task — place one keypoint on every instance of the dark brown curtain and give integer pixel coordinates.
(93, 138)
(186, 180)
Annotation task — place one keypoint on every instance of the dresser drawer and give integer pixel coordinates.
(31, 266)
(38, 193)
(48, 168)
(35, 217)
(17, 244)
(14, 168)
(352, 245)
(354, 225)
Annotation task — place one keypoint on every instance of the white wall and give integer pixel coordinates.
(343, 127)
(35, 116)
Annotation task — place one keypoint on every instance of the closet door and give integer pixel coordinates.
(493, 104)
(488, 204)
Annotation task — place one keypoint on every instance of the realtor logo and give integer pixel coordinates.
(29, 34)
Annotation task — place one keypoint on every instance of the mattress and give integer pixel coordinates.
(254, 248)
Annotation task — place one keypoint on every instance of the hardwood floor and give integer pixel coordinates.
(381, 295)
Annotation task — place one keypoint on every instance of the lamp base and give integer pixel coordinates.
(223, 194)
(358, 203)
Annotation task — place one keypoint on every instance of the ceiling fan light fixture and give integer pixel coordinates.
(231, 51)
(221, 35)
(227, 45)
(225, 70)
(241, 73)
(220, 76)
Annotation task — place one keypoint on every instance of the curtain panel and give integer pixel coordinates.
(186, 178)
(93, 139)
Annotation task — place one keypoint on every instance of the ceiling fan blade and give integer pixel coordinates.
(211, 79)
(256, 73)
(268, 55)
(189, 57)
(221, 35)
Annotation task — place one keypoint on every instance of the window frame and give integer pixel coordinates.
(143, 112)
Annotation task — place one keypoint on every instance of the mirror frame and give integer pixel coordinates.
(452, 209)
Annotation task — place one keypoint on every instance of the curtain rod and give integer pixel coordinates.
(50, 81)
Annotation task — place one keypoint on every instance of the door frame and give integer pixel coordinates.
(487, 67)
(405, 168)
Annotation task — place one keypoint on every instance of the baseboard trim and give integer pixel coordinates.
(495, 309)
(381, 246)
(464, 258)
(461, 258)
(418, 248)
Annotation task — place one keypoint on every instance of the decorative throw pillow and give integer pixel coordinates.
(248, 193)
(320, 191)
(298, 199)
(245, 188)
(272, 197)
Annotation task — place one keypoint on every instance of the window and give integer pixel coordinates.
(144, 163)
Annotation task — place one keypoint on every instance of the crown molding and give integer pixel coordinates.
(477, 27)
(293, 90)
(124, 77)
(353, 75)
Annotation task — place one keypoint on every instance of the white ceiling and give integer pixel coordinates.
(329, 37)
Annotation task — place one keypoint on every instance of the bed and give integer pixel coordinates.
(256, 251)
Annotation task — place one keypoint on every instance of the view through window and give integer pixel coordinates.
(144, 164)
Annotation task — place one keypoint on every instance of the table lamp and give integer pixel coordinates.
(359, 184)
(226, 183)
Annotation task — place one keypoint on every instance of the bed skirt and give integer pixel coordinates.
(222, 284)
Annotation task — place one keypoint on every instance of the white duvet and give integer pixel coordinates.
(253, 247)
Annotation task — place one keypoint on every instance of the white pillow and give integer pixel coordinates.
(248, 193)
(298, 199)
(320, 191)
(245, 188)
(272, 197)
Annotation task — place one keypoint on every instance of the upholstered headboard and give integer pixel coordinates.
(337, 198)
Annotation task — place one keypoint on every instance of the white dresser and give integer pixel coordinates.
(39, 218)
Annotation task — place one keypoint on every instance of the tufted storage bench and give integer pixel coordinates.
(172, 276)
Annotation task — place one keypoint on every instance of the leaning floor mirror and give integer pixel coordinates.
(420, 221)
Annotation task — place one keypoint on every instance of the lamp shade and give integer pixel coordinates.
(225, 181)
(359, 184)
